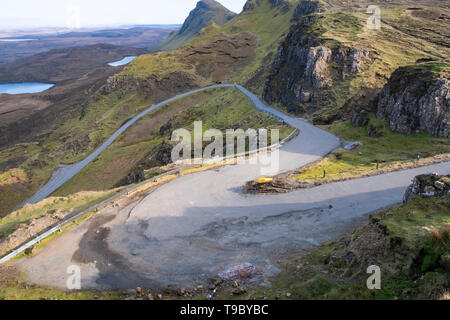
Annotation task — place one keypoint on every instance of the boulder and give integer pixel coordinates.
(164, 153)
(359, 118)
(374, 131)
(416, 100)
(439, 185)
(427, 185)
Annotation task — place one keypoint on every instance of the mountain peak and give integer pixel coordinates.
(205, 12)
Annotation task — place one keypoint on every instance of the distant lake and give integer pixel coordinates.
(122, 62)
(26, 87)
(16, 40)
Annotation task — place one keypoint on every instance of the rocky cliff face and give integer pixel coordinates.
(307, 67)
(417, 99)
(283, 4)
(428, 185)
(305, 8)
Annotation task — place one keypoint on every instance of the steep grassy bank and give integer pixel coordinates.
(241, 50)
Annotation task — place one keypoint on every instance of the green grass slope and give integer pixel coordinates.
(392, 151)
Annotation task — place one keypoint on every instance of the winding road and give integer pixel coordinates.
(202, 224)
(65, 173)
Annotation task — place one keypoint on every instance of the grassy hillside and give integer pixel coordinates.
(393, 151)
(74, 203)
(219, 54)
(14, 287)
(240, 50)
(135, 150)
(270, 26)
(360, 59)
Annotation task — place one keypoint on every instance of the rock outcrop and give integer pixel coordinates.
(428, 185)
(250, 5)
(359, 117)
(417, 99)
(305, 8)
(306, 67)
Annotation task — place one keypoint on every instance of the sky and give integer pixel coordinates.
(94, 13)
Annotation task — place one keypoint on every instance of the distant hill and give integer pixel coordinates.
(60, 65)
(76, 71)
(138, 37)
(206, 11)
